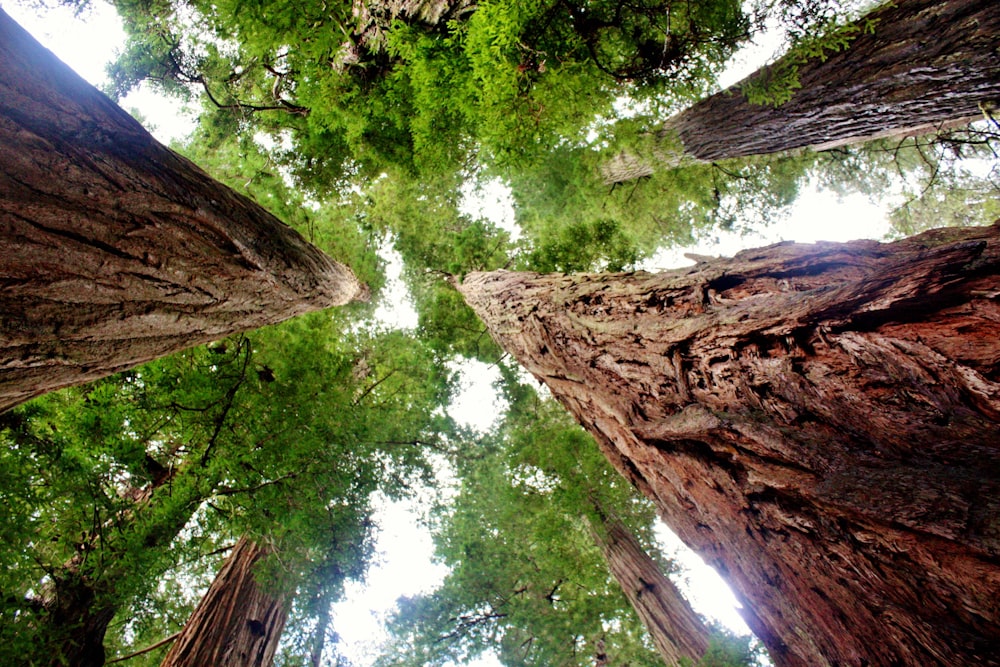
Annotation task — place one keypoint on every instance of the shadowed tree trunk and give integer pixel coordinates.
(76, 604)
(819, 422)
(924, 65)
(238, 623)
(676, 630)
(117, 250)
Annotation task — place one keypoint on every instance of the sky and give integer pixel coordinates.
(405, 565)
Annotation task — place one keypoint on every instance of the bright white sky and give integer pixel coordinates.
(405, 567)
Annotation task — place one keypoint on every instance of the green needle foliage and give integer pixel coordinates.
(359, 128)
(426, 86)
(285, 435)
(528, 580)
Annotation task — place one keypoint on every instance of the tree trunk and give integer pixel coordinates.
(819, 422)
(116, 249)
(79, 622)
(319, 636)
(676, 630)
(77, 603)
(237, 623)
(925, 65)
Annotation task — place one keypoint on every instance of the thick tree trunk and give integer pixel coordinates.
(79, 621)
(76, 604)
(820, 422)
(237, 623)
(117, 250)
(926, 64)
(676, 630)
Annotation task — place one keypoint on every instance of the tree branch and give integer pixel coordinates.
(152, 647)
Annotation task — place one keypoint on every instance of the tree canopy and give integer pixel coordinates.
(361, 124)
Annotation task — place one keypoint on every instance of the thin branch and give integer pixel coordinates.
(153, 647)
(370, 389)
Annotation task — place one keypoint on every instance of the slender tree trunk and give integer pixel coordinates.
(79, 620)
(237, 623)
(117, 250)
(676, 630)
(819, 422)
(319, 637)
(925, 64)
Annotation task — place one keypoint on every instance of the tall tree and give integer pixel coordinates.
(117, 249)
(553, 558)
(909, 67)
(820, 422)
(676, 630)
(238, 622)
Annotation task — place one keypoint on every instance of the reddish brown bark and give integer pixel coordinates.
(676, 630)
(927, 64)
(238, 623)
(117, 250)
(819, 422)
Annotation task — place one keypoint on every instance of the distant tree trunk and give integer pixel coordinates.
(237, 623)
(676, 630)
(117, 250)
(374, 18)
(820, 422)
(319, 637)
(925, 64)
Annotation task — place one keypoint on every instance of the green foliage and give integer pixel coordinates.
(426, 93)
(527, 577)
(728, 650)
(777, 83)
(284, 434)
(949, 179)
(574, 221)
(359, 129)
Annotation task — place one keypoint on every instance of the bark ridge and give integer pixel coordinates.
(820, 422)
(116, 249)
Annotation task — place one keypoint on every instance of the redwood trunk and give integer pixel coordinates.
(237, 623)
(927, 64)
(676, 630)
(117, 250)
(819, 422)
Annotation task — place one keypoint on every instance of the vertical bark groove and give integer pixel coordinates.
(237, 623)
(819, 422)
(116, 249)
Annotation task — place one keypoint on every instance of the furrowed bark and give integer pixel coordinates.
(237, 623)
(117, 250)
(676, 630)
(819, 422)
(926, 65)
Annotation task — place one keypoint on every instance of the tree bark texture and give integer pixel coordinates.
(819, 422)
(927, 65)
(237, 623)
(117, 250)
(676, 630)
